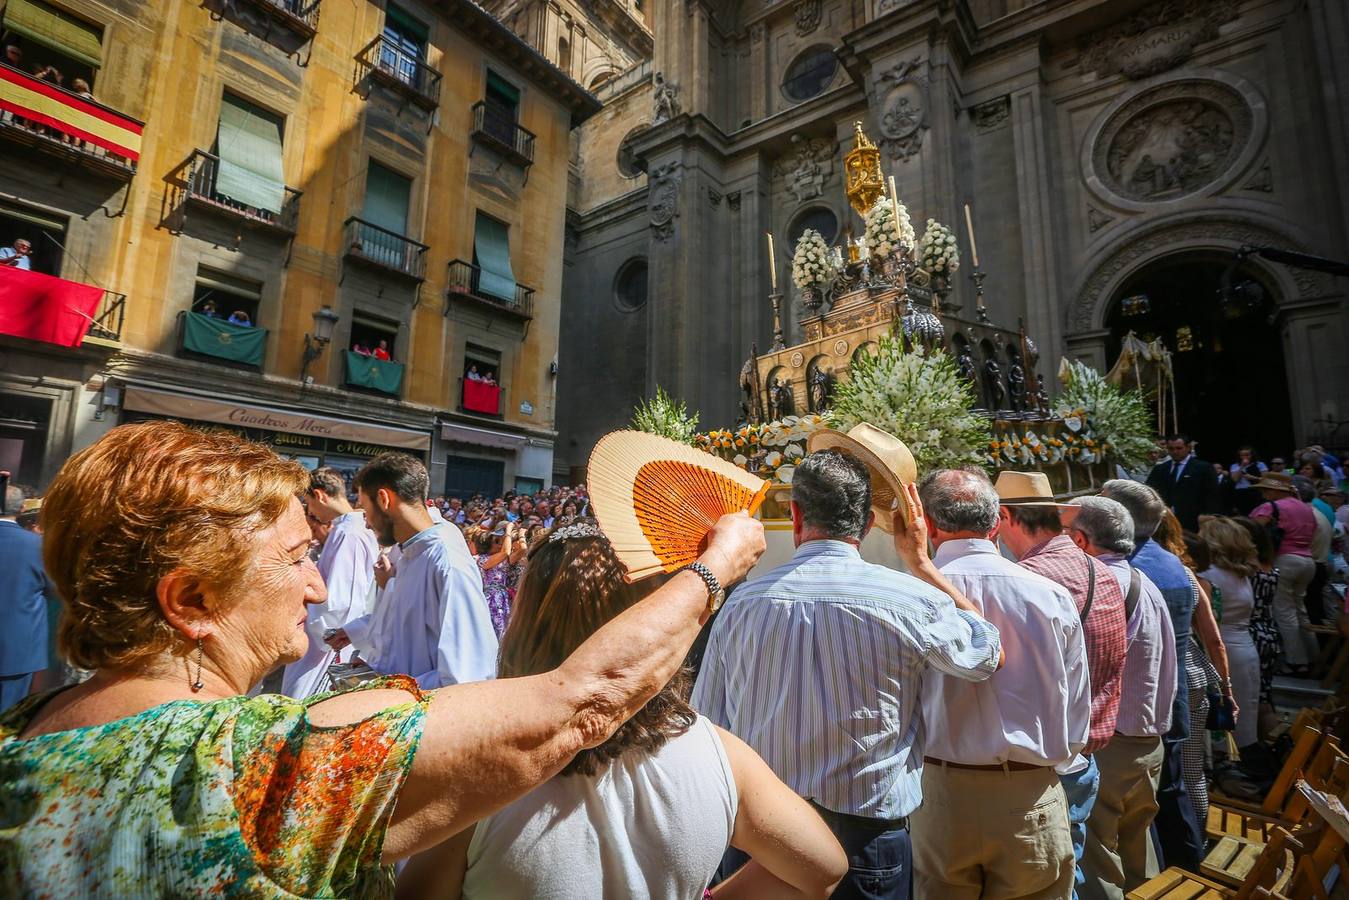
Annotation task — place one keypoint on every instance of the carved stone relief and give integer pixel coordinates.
(733, 201)
(808, 16)
(808, 166)
(993, 114)
(1096, 220)
(1262, 180)
(714, 197)
(664, 99)
(903, 103)
(1172, 141)
(1159, 37)
(1088, 306)
(663, 202)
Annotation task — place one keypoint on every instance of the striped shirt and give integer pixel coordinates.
(1150, 671)
(818, 665)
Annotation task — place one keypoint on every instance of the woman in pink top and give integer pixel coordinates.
(1284, 511)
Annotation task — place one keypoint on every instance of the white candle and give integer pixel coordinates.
(773, 263)
(894, 201)
(969, 226)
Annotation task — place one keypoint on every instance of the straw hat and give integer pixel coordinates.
(886, 457)
(31, 505)
(1276, 481)
(1025, 489)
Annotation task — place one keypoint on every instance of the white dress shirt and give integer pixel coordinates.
(347, 564)
(432, 622)
(1150, 670)
(1036, 709)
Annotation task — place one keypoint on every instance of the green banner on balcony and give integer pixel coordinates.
(377, 374)
(216, 337)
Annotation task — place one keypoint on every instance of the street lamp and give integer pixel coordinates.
(324, 321)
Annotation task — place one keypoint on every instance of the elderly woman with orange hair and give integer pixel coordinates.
(181, 557)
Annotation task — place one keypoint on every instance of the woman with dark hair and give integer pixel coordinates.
(649, 812)
(1264, 630)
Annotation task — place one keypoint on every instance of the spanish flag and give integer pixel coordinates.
(42, 102)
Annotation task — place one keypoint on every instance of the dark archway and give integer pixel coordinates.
(1231, 382)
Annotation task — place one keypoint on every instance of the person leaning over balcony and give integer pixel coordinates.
(181, 557)
(382, 351)
(19, 256)
(239, 317)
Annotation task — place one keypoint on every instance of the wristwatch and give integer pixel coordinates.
(716, 594)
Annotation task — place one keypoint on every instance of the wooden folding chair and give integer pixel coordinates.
(1328, 771)
(1232, 816)
(1271, 870)
(1326, 834)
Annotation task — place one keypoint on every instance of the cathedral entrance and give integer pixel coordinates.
(1231, 383)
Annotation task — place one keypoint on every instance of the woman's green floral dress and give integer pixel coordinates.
(236, 798)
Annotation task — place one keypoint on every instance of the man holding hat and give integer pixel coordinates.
(1283, 512)
(1029, 526)
(994, 820)
(817, 664)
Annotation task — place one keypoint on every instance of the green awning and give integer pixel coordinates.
(249, 147)
(506, 92)
(406, 23)
(56, 29)
(386, 199)
(218, 338)
(492, 253)
(378, 374)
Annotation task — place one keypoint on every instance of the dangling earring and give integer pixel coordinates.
(197, 685)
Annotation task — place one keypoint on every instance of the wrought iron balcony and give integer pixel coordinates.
(464, 283)
(395, 68)
(107, 324)
(77, 130)
(299, 16)
(194, 184)
(289, 24)
(498, 129)
(384, 249)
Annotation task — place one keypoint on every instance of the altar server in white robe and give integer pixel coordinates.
(347, 564)
(432, 621)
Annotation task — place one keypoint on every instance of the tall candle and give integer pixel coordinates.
(773, 263)
(894, 201)
(969, 226)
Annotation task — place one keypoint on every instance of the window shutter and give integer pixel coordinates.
(492, 248)
(56, 29)
(501, 90)
(249, 146)
(386, 199)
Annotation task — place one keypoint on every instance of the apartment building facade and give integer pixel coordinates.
(308, 221)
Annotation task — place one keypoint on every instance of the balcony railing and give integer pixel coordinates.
(288, 24)
(497, 128)
(194, 183)
(107, 324)
(394, 67)
(300, 16)
(388, 250)
(60, 123)
(464, 282)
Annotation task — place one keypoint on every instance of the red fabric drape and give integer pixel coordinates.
(482, 398)
(43, 308)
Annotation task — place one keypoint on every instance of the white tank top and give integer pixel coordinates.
(648, 826)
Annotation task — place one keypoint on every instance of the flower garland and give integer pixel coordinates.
(812, 263)
(1119, 421)
(770, 451)
(920, 398)
(882, 235)
(939, 255)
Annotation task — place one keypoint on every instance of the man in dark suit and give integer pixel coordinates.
(24, 591)
(1187, 484)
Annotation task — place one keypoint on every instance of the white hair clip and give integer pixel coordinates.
(580, 530)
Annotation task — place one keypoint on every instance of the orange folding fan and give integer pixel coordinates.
(656, 500)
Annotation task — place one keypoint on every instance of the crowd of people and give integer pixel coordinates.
(285, 684)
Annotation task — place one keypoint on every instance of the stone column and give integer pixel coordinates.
(1039, 248)
(1315, 333)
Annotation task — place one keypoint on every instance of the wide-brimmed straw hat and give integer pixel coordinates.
(1276, 481)
(887, 459)
(1026, 489)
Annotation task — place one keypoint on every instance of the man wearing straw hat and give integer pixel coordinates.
(1029, 526)
(994, 820)
(1284, 513)
(818, 664)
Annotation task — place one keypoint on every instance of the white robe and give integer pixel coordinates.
(347, 565)
(432, 621)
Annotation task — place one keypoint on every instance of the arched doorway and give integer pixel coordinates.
(1231, 383)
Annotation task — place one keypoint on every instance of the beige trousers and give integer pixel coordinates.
(1119, 855)
(991, 836)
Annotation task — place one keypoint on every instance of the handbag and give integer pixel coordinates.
(1222, 714)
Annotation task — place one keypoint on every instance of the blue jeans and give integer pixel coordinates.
(1177, 832)
(880, 859)
(1080, 788)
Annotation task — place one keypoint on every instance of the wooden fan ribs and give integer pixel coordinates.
(677, 504)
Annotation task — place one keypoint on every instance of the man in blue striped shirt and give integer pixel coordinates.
(818, 666)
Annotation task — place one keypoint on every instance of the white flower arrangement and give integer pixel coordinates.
(920, 398)
(937, 250)
(812, 263)
(774, 448)
(883, 235)
(1113, 424)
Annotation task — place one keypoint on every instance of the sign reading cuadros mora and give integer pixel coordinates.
(184, 406)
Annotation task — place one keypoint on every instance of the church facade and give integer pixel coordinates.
(1114, 155)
